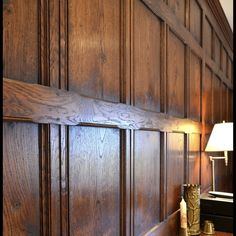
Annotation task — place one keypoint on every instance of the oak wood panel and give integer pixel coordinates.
(94, 180)
(55, 179)
(168, 227)
(215, 69)
(146, 180)
(147, 43)
(223, 60)
(163, 11)
(224, 102)
(194, 158)
(217, 50)
(230, 105)
(221, 177)
(175, 170)
(206, 173)
(208, 38)
(21, 184)
(219, 21)
(94, 44)
(230, 69)
(216, 90)
(179, 9)
(175, 75)
(195, 21)
(20, 61)
(207, 102)
(37, 103)
(195, 87)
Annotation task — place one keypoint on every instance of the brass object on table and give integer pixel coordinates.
(192, 198)
(208, 227)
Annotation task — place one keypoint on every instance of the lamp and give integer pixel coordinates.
(221, 139)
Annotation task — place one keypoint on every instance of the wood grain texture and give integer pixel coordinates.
(223, 60)
(175, 170)
(194, 158)
(230, 69)
(42, 104)
(169, 227)
(94, 181)
(178, 7)
(94, 44)
(224, 102)
(147, 43)
(217, 49)
(216, 90)
(165, 13)
(207, 103)
(230, 105)
(195, 87)
(21, 185)
(146, 181)
(20, 61)
(195, 21)
(206, 173)
(208, 39)
(175, 76)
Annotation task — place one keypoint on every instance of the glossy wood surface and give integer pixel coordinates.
(117, 106)
(69, 108)
(146, 181)
(147, 49)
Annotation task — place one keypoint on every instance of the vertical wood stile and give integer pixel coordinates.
(163, 175)
(44, 138)
(64, 131)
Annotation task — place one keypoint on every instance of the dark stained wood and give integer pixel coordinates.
(146, 180)
(63, 107)
(217, 48)
(147, 35)
(224, 102)
(206, 173)
(194, 158)
(216, 90)
(178, 7)
(218, 233)
(19, 59)
(230, 69)
(175, 75)
(169, 227)
(208, 38)
(104, 157)
(223, 61)
(94, 181)
(195, 87)
(230, 105)
(21, 198)
(162, 11)
(94, 44)
(175, 164)
(195, 21)
(207, 96)
(221, 20)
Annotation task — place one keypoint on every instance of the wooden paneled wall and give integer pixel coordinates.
(168, 58)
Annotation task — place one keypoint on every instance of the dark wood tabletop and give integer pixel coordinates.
(218, 233)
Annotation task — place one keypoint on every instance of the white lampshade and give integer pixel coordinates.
(221, 138)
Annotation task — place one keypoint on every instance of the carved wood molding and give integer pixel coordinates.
(221, 19)
(41, 104)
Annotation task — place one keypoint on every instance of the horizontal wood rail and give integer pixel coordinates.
(41, 104)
